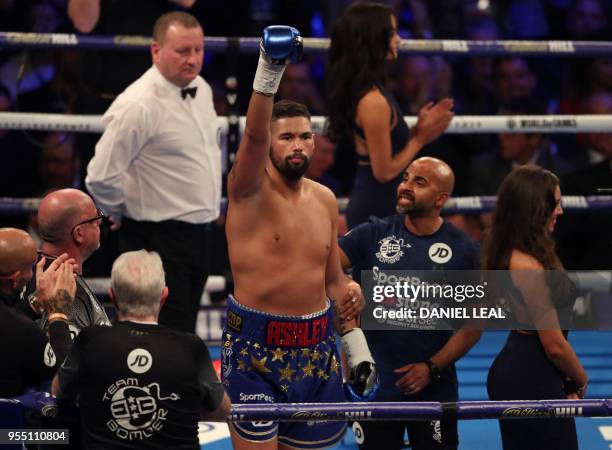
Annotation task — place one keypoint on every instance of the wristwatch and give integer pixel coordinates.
(434, 371)
(35, 304)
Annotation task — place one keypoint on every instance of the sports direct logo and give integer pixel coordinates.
(255, 397)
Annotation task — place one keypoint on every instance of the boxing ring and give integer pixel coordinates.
(233, 125)
(44, 404)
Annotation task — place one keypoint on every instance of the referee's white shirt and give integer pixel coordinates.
(159, 157)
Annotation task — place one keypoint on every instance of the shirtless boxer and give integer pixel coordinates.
(281, 229)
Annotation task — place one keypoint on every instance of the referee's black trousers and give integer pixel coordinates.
(185, 250)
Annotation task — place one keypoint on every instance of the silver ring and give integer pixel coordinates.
(353, 300)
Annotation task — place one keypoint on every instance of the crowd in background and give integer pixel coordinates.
(84, 82)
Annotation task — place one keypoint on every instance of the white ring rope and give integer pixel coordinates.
(586, 123)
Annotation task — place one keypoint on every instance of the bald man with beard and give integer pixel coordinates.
(414, 365)
(28, 357)
(69, 223)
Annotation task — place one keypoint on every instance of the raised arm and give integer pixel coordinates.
(374, 116)
(279, 45)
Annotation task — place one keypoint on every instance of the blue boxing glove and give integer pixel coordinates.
(363, 379)
(279, 44)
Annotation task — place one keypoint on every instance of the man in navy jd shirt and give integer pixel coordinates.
(414, 365)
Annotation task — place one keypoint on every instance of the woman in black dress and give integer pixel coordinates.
(537, 362)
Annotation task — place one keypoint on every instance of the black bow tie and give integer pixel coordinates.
(188, 91)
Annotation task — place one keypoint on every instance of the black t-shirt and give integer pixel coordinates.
(382, 245)
(26, 354)
(140, 385)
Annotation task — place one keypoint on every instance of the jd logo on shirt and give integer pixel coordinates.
(139, 360)
(440, 253)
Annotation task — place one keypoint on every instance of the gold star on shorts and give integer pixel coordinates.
(308, 368)
(260, 364)
(294, 353)
(286, 373)
(278, 354)
(316, 355)
(284, 388)
(244, 352)
(321, 373)
(334, 365)
(305, 352)
(256, 345)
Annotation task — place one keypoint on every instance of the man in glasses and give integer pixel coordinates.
(69, 222)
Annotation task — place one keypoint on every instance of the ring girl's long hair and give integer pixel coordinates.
(356, 63)
(525, 203)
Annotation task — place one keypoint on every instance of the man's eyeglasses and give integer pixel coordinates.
(99, 218)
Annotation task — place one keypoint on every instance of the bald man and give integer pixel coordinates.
(28, 358)
(69, 222)
(415, 365)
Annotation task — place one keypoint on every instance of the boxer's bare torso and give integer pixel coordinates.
(282, 235)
